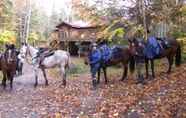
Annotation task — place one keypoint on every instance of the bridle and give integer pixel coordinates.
(27, 51)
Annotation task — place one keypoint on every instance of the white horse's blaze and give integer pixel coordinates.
(59, 59)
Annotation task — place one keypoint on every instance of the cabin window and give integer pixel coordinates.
(63, 35)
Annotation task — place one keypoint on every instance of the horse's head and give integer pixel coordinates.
(10, 53)
(132, 47)
(23, 51)
(137, 46)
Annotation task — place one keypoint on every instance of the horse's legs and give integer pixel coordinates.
(36, 76)
(125, 71)
(105, 74)
(152, 67)
(63, 74)
(170, 60)
(4, 80)
(20, 69)
(11, 77)
(146, 67)
(99, 71)
(45, 76)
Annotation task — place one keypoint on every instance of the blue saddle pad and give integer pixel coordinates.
(116, 52)
(106, 52)
(152, 48)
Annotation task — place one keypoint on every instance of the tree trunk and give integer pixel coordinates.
(28, 22)
(142, 4)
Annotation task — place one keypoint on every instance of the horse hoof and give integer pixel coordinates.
(64, 82)
(35, 85)
(46, 84)
(4, 87)
(168, 72)
(123, 79)
(94, 83)
(151, 78)
(94, 88)
(11, 87)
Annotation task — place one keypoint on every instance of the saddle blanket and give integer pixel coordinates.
(153, 47)
(104, 53)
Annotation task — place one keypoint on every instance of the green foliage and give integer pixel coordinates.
(6, 15)
(138, 30)
(119, 33)
(116, 37)
(183, 10)
(184, 57)
(7, 37)
(33, 37)
(114, 33)
(178, 34)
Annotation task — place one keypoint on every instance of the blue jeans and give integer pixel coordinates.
(94, 69)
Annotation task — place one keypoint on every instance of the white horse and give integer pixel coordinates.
(59, 59)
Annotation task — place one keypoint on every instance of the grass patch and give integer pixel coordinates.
(183, 57)
(77, 67)
(1, 76)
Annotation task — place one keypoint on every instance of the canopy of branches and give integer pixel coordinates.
(123, 18)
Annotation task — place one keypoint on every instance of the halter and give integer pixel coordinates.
(26, 52)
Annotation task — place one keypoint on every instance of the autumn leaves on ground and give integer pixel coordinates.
(163, 97)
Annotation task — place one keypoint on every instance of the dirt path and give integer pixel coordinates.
(26, 101)
(163, 97)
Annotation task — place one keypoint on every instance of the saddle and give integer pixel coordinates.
(163, 43)
(43, 53)
(116, 52)
(106, 52)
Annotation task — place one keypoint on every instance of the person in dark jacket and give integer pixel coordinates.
(140, 60)
(94, 61)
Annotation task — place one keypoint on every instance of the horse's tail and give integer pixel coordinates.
(132, 64)
(69, 60)
(178, 56)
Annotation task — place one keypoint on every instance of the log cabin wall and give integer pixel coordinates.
(74, 38)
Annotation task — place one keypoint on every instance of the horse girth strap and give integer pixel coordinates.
(45, 53)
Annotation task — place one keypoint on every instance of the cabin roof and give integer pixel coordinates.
(75, 26)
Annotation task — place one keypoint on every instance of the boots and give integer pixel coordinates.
(140, 79)
(94, 83)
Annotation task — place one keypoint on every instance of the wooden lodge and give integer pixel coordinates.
(74, 39)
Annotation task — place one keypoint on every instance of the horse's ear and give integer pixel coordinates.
(12, 46)
(7, 46)
(22, 43)
(130, 40)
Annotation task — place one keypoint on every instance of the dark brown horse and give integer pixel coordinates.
(8, 62)
(172, 50)
(124, 57)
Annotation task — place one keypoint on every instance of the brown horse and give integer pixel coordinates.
(124, 56)
(8, 61)
(172, 50)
